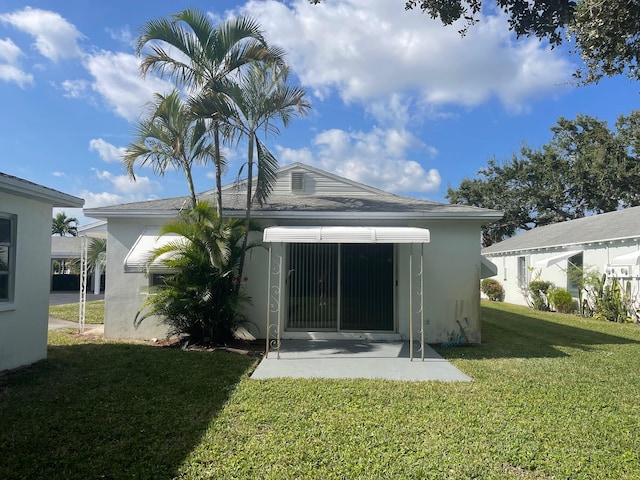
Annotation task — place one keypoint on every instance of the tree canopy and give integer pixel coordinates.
(62, 225)
(606, 33)
(586, 168)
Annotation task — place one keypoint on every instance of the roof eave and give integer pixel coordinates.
(487, 216)
(26, 189)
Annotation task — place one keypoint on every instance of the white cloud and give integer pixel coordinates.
(370, 49)
(100, 199)
(123, 35)
(55, 37)
(106, 151)
(9, 51)
(376, 158)
(117, 78)
(75, 88)
(119, 189)
(11, 73)
(139, 189)
(10, 70)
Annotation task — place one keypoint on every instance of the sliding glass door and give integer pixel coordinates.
(340, 287)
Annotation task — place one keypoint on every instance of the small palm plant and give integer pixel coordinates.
(199, 301)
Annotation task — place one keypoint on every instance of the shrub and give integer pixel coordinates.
(538, 290)
(200, 301)
(613, 304)
(492, 289)
(561, 300)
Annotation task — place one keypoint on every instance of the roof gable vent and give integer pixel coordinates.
(297, 181)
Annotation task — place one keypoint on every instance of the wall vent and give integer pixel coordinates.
(297, 181)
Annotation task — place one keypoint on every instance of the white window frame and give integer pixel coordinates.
(10, 273)
(523, 270)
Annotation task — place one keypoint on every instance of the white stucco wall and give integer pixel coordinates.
(452, 275)
(125, 293)
(595, 257)
(23, 323)
(451, 284)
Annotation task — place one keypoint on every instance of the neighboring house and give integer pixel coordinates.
(25, 249)
(65, 259)
(340, 259)
(65, 263)
(608, 243)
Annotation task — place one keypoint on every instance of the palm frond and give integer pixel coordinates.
(267, 173)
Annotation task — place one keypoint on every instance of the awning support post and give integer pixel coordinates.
(82, 306)
(411, 303)
(266, 348)
(422, 301)
(274, 301)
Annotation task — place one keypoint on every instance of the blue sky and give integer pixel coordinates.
(399, 102)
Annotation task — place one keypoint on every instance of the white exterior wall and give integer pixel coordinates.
(452, 275)
(451, 292)
(596, 256)
(126, 292)
(23, 323)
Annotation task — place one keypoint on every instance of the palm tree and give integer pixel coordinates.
(200, 299)
(170, 137)
(202, 57)
(260, 100)
(96, 254)
(63, 225)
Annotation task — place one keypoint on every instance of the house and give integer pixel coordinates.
(65, 259)
(340, 259)
(25, 249)
(608, 243)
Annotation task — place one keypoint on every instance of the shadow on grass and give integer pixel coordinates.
(112, 410)
(518, 332)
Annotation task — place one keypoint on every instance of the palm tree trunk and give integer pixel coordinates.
(247, 212)
(218, 165)
(192, 191)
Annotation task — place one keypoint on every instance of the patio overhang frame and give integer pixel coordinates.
(341, 234)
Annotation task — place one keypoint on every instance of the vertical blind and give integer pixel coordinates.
(340, 286)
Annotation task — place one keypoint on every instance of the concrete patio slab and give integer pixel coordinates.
(356, 359)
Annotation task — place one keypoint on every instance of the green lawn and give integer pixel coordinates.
(94, 312)
(553, 396)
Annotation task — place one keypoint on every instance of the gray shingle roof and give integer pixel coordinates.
(66, 246)
(620, 224)
(234, 203)
(27, 189)
(364, 200)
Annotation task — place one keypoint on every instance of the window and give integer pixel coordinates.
(7, 256)
(574, 275)
(522, 272)
(158, 281)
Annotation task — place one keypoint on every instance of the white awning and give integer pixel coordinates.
(549, 261)
(632, 258)
(346, 235)
(138, 257)
(487, 268)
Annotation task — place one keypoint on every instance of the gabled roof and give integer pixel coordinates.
(26, 189)
(343, 198)
(617, 225)
(236, 186)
